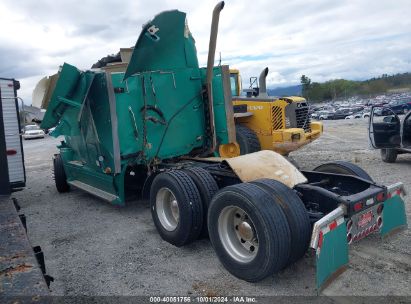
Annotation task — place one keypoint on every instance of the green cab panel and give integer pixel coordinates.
(165, 43)
(157, 110)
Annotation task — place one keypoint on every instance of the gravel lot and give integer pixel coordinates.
(93, 248)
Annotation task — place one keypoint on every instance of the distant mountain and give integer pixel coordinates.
(286, 91)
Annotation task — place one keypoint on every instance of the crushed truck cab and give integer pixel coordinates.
(152, 127)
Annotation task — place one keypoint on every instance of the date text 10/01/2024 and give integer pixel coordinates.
(203, 299)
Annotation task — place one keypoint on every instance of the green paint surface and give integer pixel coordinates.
(160, 106)
(333, 254)
(394, 215)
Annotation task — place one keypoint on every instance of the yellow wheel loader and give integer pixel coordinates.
(270, 123)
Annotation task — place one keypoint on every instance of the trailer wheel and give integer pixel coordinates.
(249, 232)
(207, 187)
(296, 214)
(176, 207)
(389, 155)
(59, 175)
(343, 167)
(247, 140)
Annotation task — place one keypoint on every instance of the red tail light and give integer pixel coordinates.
(380, 197)
(349, 238)
(380, 208)
(357, 206)
(349, 225)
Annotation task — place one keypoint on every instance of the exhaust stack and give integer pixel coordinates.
(210, 65)
(213, 40)
(262, 83)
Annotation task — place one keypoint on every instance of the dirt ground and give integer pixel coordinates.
(93, 248)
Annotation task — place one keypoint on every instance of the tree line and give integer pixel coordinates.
(341, 88)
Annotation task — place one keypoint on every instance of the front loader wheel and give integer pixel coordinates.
(249, 232)
(247, 140)
(176, 207)
(342, 167)
(207, 187)
(389, 155)
(60, 175)
(295, 212)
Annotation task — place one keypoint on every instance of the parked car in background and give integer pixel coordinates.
(342, 113)
(361, 114)
(382, 111)
(322, 115)
(32, 131)
(400, 106)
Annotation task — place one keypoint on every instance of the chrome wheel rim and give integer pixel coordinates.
(167, 209)
(237, 234)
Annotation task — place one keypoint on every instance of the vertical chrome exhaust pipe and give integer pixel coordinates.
(213, 40)
(263, 84)
(210, 65)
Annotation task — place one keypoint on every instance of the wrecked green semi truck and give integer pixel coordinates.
(155, 128)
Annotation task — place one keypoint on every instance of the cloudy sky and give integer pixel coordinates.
(324, 39)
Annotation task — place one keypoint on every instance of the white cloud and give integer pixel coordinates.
(322, 39)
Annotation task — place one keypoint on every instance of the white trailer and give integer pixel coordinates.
(12, 171)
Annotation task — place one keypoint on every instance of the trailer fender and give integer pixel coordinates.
(329, 241)
(393, 215)
(266, 164)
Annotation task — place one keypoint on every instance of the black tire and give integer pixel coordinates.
(190, 220)
(247, 140)
(207, 187)
(268, 222)
(60, 175)
(296, 214)
(343, 167)
(389, 155)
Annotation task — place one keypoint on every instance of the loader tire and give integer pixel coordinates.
(342, 167)
(60, 175)
(207, 187)
(247, 140)
(176, 207)
(296, 214)
(249, 232)
(389, 155)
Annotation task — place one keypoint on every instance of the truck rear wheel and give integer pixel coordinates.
(207, 187)
(389, 155)
(247, 140)
(176, 207)
(343, 167)
(60, 175)
(295, 212)
(249, 232)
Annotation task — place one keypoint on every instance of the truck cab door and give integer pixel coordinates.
(384, 128)
(406, 131)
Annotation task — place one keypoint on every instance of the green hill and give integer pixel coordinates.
(341, 88)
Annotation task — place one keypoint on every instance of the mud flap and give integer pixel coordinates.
(393, 215)
(329, 240)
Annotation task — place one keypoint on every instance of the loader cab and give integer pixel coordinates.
(389, 132)
(235, 82)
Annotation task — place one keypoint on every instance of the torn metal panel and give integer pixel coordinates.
(165, 43)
